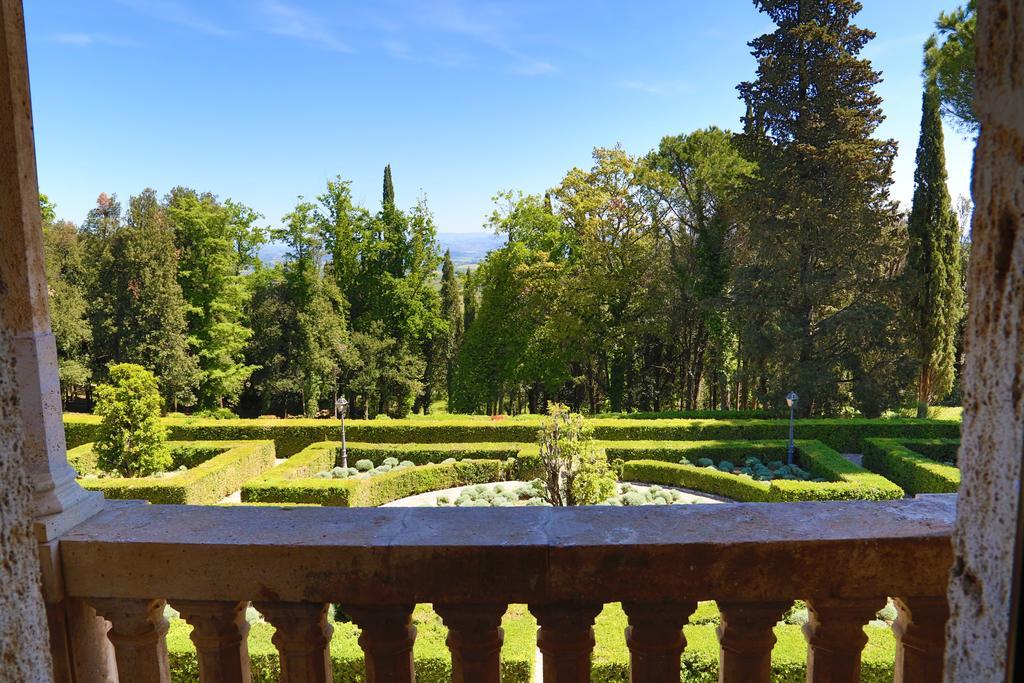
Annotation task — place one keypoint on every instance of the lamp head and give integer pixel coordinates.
(791, 398)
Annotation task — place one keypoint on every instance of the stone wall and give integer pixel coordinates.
(24, 653)
(993, 429)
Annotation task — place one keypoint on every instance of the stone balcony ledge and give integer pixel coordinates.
(752, 552)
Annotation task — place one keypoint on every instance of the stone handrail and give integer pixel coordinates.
(844, 558)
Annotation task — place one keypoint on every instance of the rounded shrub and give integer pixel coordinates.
(364, 465)
(131, 439)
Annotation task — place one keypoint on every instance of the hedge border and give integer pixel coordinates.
(205, 483)
(916, 472)
(293, 480)
(845, 435)
(847, 481)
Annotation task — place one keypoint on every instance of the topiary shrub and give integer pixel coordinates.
(131, 439)
(364, 465)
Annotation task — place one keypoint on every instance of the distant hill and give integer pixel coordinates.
(468, 248)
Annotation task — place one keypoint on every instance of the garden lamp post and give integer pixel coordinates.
(340, 405)
(791, 399)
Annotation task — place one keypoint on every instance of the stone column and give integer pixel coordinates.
(565, 638)
(655, 639)
(58, 502)
(920, 639)
(474, 638)
(387, 638)
(746, 638)
(137, 630)
(835, 638)
(24, 304)
(302, 636)
(988, 507)
(219, 632)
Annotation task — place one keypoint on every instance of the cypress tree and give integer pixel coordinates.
(389, 188)
(932, 277)
(818, 213)
(453, 313)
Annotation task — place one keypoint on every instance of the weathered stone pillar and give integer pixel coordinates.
(23, 632)
(746, 638)
(137, 630)
(988, 508)
(921, 639)
(835, 638)
(474, 638)
(655, 639)
(565, 638)
(302, 636)
(219, 631)
(387, 638)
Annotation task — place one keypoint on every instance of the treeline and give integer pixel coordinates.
(719, 271)
(176, 284)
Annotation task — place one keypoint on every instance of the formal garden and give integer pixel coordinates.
(127, 450)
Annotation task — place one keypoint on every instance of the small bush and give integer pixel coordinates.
(131, 440)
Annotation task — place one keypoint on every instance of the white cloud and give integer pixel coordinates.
(79, 39)
(283, 19)
(533, 69)
(175, 12)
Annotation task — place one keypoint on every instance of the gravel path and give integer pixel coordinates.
(429, 499)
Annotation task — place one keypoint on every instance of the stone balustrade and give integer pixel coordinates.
(843, 558)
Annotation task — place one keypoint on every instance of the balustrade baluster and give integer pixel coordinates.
(835, 638)
(387, 638)
(921, 639)
(302, 635)
(219, 632)
(655, 639)
(474, 638)
(565, 638)
(138, 632)
(746, 638)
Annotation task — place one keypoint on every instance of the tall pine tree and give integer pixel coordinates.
(818, 211)
(453, 314)
(932, 277)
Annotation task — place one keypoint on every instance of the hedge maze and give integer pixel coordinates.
(220, 457)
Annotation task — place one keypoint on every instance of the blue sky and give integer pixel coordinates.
(263, 100)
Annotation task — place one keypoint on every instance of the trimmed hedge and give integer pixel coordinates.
(292, 435)
(216, 468)
(846, 481)
(433, 661)
(294, 481)
(700, 658)
(912, 463)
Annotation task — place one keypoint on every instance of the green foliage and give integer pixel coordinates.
(291, 436)
(575, 472)
(214, 469)
(917, 465)
(843, 479)
(295, 482)
(934, 297)
(213, 242)
(130, 439)
(137, 310)
(822, 243)
(950, 55)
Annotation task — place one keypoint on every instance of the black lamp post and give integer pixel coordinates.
(791, 399)
(340, 407)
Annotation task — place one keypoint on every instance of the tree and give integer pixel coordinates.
(131, 439)
(575, 472)
(138, 302)
(933, 280)
(453, 315)
(212, 241)
(66, 279)
(951, 63)
(818, 216)
(388, 198)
